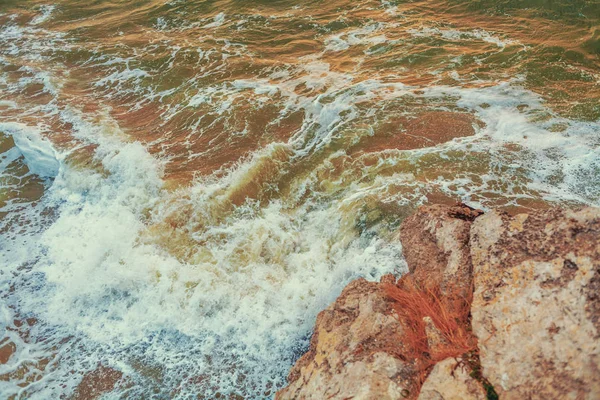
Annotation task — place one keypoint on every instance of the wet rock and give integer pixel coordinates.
(355, 351)
(7, 349)
(424, 130)
(450, 380)
(536, 306)
(96, 383)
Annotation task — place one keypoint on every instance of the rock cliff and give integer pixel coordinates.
(495, 306)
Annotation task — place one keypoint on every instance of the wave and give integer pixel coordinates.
(40, 156)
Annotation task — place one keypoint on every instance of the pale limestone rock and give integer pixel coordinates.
(536, 304)
(355, 351)
(450, 381)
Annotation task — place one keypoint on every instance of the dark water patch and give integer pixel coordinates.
(580, 11)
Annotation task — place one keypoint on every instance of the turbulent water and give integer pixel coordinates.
(185, 184)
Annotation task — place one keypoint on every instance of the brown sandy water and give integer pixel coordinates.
(185, 184)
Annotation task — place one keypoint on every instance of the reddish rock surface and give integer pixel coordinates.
(98, 382)
(7, 349)
(378, 340)
(435, 242)
(535, 314)
(425, 130)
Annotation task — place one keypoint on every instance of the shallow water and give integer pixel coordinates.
(184, 185)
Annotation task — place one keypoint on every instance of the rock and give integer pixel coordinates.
(450, 380)
(535, 312)
(425, 130)
(388, 278)
(435, 243)
(355, 351)
(96, 383)
(435, 339)
(364, 346)
(7, 349)
(536, 306)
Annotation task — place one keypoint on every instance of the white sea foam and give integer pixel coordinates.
(457, 35)
(7, 103)
(563, 165)
(390, 7)
(217, 21)
(45, 14)
(41, 157)
(354, 37)
(161, 24)
(120, 77)
(266, 274)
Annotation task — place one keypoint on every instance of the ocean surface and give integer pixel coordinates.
(185, 184)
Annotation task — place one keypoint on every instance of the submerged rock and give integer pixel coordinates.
(96, 383)
(7, 349)
(535, 314)
(424, 130)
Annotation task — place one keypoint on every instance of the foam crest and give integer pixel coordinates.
(218, 21)
(40, 155)
(457, 35)
(354, 37)
(45, 14)
(565, 158)
(103, 281)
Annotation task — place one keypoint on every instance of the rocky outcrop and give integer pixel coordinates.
(494, 306)
(365, 346)
(450, 380)
(424, 130)
(355, 351)
(536, 303)
(435, 243)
